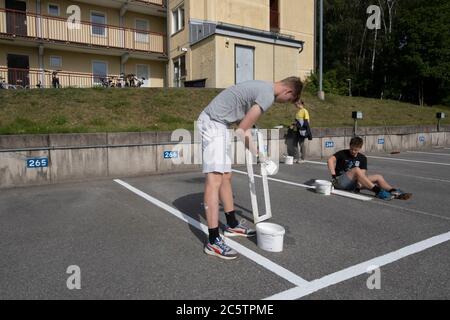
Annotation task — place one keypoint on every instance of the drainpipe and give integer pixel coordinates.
(123, 60)
(167, 81)
(39, 19)
(41, 46)
(41, 65)
(123, 11)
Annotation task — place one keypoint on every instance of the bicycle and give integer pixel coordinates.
(6, 86)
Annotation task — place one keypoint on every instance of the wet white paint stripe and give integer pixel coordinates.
(257, 258)
(432, 153)
(360, 269)
(335, 192)
(407, 160)
(316, 162)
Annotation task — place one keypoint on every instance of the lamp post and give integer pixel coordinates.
(439, 116)
(356, 115)
(321, 93)
(349, 87)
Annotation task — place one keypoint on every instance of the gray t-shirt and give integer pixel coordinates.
(232, 104)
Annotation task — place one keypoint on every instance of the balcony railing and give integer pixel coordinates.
(157, 2)
(54, 29)
(35, 78)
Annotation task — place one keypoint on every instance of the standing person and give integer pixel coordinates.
(243, 103)
(55, 79)
(302, 123)
(348, 169)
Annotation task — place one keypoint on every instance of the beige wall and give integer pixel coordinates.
(297, 18)
(156, 24)
(203, 59)
(180, 39)
(156, 70)
(266, 56)
(249, 13)
(271, 63)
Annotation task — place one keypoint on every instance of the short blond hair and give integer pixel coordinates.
(296, 84)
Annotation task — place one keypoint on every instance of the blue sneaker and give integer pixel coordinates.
(384, 195)
(241, 230)
(399, 194)
(220, 249)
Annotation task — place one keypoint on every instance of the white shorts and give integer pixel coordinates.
(216, 145)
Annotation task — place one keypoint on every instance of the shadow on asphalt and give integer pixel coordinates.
(192, 206)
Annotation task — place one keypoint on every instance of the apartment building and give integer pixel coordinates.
(174, 43)
(223, 42)
(84, 40)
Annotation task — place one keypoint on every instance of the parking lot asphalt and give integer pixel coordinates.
(148, 245)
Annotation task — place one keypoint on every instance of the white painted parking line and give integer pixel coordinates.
(278, 180)
(255, 257)
(432, 153)
(335, 192)
(360, 269)
(407, 160)
(316, 162)
(395, 174)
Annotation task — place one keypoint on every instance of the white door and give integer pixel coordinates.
(142, 71)
(244, 64)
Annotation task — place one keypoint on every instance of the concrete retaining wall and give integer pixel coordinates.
(86, 156)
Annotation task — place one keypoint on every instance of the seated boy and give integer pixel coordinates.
(348, 169)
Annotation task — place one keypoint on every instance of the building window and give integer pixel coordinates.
(99, 71)
(274, 15)
(142, 31)
(53, 9)
(55, 62)
(98, 21)
(179, 71)
(177, 19)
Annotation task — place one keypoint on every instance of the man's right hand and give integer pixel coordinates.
(334, 181)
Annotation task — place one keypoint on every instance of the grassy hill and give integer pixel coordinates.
(129, 109)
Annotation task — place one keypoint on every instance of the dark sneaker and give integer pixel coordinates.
(384, 195)
(220, 249)
(241, 230)
(399, 194)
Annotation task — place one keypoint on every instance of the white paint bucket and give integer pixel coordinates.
(270, 236)
(289, 160)
(271, 167)
(323, 187)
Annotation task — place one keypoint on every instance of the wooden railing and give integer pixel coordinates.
(35, 78)
(157, 2)
(55, 29)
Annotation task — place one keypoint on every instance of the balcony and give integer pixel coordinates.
(35, 78)
(150, 7)
(18, 24)
(157, 2)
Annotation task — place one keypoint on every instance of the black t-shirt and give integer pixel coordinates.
(345, 162)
